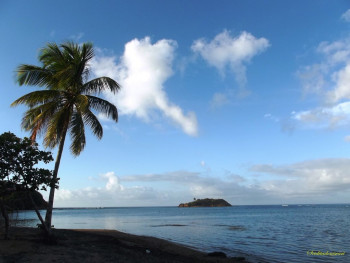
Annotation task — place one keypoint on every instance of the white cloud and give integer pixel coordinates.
(313, 79)
(113, 182)
(337, 67)
(142, 72)
(233, 52)
(178, 176)
(62, 195)
(324, 117)
(112, 194)
(329, 79)
(335, 52)
(103, 117)
(342, 89)
(346, 16)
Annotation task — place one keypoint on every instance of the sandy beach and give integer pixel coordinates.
(27, 245)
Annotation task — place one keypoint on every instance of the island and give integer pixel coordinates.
(207, 202)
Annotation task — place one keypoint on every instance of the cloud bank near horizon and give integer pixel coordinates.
(314, 181)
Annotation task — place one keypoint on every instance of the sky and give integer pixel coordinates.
(243, 100)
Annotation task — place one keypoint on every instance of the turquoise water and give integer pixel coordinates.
(260, 233)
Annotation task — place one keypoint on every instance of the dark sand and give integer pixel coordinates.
(27, 245)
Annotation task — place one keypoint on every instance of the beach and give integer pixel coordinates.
(28, 245)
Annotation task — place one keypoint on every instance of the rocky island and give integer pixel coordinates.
(207, 202)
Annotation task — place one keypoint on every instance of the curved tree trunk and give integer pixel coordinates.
(48, 216)
(29, 195)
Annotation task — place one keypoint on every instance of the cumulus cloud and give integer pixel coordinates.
(233, 52)
(142, 71)
(112, 182)
(346, 16)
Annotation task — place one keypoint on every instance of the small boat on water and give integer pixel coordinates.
(284, 205)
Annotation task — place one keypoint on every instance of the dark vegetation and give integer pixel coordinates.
(20, 178)
(18, 199)
(207, 202)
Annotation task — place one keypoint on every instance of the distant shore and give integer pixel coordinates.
(27, 245)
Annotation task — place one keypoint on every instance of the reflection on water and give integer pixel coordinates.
(275, 233)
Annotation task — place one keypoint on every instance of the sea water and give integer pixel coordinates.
(293, 233)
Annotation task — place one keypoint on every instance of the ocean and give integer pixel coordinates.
(271, 233)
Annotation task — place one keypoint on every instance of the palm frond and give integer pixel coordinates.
(103, 106)
(50, 55)
(37, 97)
(91, 120)
(56, 126)
(77, 132)
(34, 76)
(79, 58)
(36, 118)
(100, 84)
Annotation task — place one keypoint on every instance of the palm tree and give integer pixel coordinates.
(66, 102)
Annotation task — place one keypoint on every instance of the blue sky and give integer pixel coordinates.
(243, 100)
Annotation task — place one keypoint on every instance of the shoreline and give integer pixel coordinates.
(97, 245)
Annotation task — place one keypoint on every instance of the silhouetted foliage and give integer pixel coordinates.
(19, 178)
(207, 202)
(18, 200)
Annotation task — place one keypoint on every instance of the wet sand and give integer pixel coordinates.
(28, 245)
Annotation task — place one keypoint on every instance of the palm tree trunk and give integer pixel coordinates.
(44, 226)
(48, 216)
